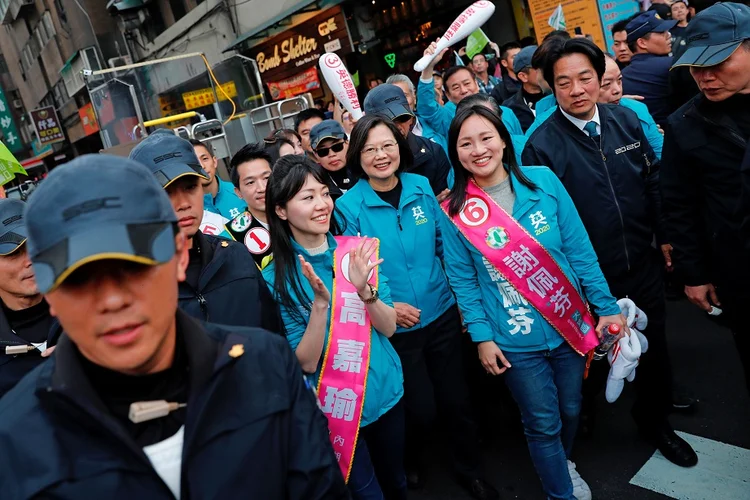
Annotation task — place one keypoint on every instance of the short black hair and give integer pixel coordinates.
(507, 47)
(196, 142)
(305, 115)
(248, 152)
(358, 140)
(582, 46)
(480, 98)
(621, 25)
(452, 71)
(556, 34)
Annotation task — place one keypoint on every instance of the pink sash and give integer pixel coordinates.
(343, 378)
(526, 265)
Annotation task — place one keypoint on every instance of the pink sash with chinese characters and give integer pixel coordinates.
(526, 265)
(343, 377)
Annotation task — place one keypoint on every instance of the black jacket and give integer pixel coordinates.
(706, 189)
(253, 430)
(231, 290)
(521, 110)
(429, 161)
(615, 189)
(507, 89)
(14, 367)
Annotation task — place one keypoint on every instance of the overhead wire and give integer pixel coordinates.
(218, 85)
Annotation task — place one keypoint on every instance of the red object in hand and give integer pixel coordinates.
(614, 329)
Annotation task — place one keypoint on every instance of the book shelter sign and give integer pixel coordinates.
(47, 125)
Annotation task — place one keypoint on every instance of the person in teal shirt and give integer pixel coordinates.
(459, 83)
(544, 374)
(300, 277)
(220, 197)
(611, 93)
(401, 210)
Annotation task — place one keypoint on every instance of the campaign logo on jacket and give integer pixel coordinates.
(253, 234)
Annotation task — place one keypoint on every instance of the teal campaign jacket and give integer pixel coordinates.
(385, 380)
(411, 244)
(227, 203)
(491, 308)
(439, 117)
(655, 138)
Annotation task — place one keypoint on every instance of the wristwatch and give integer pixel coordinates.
(374, 295)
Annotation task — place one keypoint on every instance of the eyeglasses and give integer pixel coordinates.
(388, 149)
(336, 148)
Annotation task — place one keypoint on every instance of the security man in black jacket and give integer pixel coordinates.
(141, 401)
(602, 156)
(706, 161)
(28, 333)
(223, 284)
(523, 103)
(430, 160)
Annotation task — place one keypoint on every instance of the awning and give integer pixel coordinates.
(273, 15)
(32, 163)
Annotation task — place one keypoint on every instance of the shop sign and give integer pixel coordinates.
(612, 11)
(205, 97)
(10, 133)
(47, 125)
(296, 85)
(283, 56)
(582, 14)
(88, 119)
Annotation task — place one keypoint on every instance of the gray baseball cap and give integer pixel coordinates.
(714, 34)
(387, 100)
(168, 156)
(97, 207)
(523, 59)
(12, 226)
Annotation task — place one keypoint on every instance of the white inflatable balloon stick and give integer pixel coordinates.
(340, 82)
(471, 19)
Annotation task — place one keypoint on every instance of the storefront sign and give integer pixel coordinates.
(612, 11)
(10, 133)
(297, 49)
(582, 14)
(205, 97)
(304, 82)
(47, 125)
(88, 119)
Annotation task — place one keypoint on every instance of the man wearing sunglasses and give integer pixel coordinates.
(429, 158)
(330, 144)
(28, 332)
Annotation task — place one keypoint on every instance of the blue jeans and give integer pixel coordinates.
(547, 388)
(378, 468)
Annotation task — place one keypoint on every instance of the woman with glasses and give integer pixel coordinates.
(522, 267)
(401, 210)
(337, 311)
(330, 144)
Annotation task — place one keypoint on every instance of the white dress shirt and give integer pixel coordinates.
(582, 123)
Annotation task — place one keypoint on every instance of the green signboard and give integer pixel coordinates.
(8, 126)
(476, 43)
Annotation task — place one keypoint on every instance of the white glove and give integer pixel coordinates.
(623, 357)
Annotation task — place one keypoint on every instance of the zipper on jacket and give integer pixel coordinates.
(202, 303)
(614, 198)
(398, 219)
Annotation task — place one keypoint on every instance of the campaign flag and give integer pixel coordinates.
(476, 42)
(557, 19)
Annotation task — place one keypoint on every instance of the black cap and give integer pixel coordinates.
(94, 208)
(12, 226)
(168, 157)
(645, 23)
(327, 129)
(387, 100)
(714, 34)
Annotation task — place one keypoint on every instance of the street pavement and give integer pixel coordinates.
(705, 366)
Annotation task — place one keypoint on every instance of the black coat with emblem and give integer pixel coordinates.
(14, 367)
(429, 161)
(252, 428)
(615, 187)
(230, 289)
(706, 190)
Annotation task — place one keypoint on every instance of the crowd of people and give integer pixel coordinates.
(295, 331)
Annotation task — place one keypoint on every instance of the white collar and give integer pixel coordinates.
(417, 129)
(582, 123)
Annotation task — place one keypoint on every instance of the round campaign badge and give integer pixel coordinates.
(475, 212)
(257, 240)
(345, 267)
(497, 237)
(241, 223)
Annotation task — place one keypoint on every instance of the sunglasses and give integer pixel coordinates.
(336, 148)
